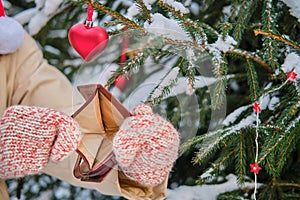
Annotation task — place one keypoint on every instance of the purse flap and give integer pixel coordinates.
(112, 111)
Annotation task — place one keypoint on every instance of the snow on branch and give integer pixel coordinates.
(294, 8)
(38, 17)
(177, 6)
(165, 27)
(292, 61)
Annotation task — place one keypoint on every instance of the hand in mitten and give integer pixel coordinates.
(31, 136)
(146, 146)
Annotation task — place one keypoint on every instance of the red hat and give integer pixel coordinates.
(11, 33)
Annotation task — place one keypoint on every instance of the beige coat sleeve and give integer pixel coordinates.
(27, 79)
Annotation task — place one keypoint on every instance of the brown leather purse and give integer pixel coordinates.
(100, 118)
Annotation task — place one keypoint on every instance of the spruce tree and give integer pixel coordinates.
(247, 110)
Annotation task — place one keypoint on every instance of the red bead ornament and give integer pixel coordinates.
(2, 11)
(255, 168)
(122, 81)
(256, 107)
(291, 75)
(88, 41)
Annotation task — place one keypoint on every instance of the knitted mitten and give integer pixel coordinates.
(30, 136)
(146, 146)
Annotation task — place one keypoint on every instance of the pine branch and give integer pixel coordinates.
(192, 27)
(270, 165)
(170, 8)
(210, 29)
(239, 27)
(182, 44)
(191, 76)
(246, 11)
(255, 58)
(270, 52)
(270, 46)
(274, 191)
(218, 91)
(234, 8)
(129, 65)
(286, 148)
(278, 141)
(112, 23)
(217, 164)
(144, 10)
(241, 159)
(213, 142)
(190, 143)
(288, 113)
(225, 29)
(165, 89)
(278, 37)
(268, 141)
(268, 16)
(287, 184)
(116, 15)
(210, 136)
(252, 81)
(185, 69)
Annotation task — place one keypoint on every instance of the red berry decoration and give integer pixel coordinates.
(256, 107)
(2, 11)
(291, 75)
(122, 81)
(255, 168)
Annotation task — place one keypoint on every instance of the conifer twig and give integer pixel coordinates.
(276, 37)
(176, 12)
(252, 57)
(116, 15)
(288, 185)
(187, 23)
(241, 18)
(144, 9)
(253, 84)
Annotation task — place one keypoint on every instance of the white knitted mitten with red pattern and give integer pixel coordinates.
(31, 136)
(146, 146)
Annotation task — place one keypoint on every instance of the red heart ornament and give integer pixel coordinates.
(88, 41)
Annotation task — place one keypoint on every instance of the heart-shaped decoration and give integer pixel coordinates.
(88, 41)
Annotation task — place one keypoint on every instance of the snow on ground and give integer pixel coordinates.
(206, 192)
(198, 192)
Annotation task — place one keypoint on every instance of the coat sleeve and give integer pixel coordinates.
(34, 82)
(3, 191)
